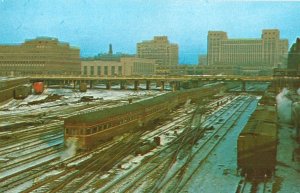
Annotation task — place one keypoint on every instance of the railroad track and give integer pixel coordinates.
(149, 166)
(81, 183)
(254, 185)
(163, 176)
(30, 135)
(23, 156)
(73, 185)
(165, 129)
(41, 173)
(101, 162)
(196, 159)
(42, 184)
(32, 143)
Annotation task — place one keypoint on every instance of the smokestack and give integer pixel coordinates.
(110, 49)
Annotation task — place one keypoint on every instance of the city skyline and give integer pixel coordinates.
(93, 25)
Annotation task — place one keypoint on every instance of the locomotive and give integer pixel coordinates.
(92, 128)
(38, 87)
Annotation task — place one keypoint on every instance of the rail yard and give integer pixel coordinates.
(204, 139)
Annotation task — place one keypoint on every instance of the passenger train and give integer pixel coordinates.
(92, 128)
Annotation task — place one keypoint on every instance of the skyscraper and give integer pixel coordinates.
(294, 56)
(160, 49)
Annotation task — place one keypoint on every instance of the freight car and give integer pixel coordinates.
(90, 129)
(22, 91)
(8, 85)
(257, 143)
(296, 118)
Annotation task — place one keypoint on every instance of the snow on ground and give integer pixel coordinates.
(287, 170)
(218, 173)
(30, 183)
(77, 162)
(28, 165)
(70, 97)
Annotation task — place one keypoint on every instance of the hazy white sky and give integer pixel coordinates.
(93, 24)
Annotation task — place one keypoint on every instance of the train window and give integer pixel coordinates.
(67, 131)
(94, 130)
(105, 126)
(81, 131)
(88, 131)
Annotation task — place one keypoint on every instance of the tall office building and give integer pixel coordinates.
(39, 56)
(160, 49)
(269, 51)
(294, 56)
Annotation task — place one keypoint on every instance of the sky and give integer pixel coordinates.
(92, 25)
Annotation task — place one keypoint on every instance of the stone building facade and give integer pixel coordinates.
(267, 52)
(127, 66)
(39, 56)
(160, 49)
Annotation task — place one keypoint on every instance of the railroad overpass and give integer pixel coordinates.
(174, 81)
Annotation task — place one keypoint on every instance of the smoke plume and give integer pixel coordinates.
(298, 91)
(284, 106)
(70, 150)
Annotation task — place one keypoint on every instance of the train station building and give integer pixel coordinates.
(126, 66)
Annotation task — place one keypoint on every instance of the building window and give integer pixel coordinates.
(99, 70)
(92, 70)
(113, 70)
(106, 70)
(85, 70)
(119, 70)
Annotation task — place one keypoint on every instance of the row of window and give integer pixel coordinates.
(112, 123)
(107, 125)
(99, 70)
(154, 108)
(22, 65)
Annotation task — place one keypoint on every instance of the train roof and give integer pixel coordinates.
(95, 116)
(260, 128)
(265, 113)
(263, 122)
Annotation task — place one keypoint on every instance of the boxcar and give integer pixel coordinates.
(22, 91)
(296, 119)
(257, 143)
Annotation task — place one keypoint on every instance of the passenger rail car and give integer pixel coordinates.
(257, 143)
(92, 128)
